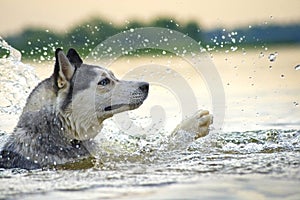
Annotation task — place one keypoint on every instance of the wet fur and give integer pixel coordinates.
(65, 112)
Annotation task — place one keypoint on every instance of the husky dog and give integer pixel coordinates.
(65, 112)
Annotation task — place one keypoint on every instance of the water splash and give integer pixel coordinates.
(117, 144)
(261, 141)
(14, 55)
(16, 82)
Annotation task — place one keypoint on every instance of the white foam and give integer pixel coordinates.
(16, 82)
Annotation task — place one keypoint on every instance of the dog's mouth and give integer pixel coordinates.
(113, 107)
(117, 106)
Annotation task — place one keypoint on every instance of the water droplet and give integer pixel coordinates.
(296, 103)
(131, 30)
(272, 57)
(270, 67)
(233, 48)
(244, 52)
(164, 52)
(282, 76)
(261, 54)
(297, 67)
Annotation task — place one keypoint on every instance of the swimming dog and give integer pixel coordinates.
(64, 113)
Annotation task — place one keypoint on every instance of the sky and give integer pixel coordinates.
(60, 15)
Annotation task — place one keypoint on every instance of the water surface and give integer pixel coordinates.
(256, 155)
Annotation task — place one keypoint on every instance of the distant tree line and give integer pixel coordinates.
(39, 43)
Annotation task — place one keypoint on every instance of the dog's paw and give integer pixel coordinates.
(198, 124)
(204, 119)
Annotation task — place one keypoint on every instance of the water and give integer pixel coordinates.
(272, 57)
(242, 166)
(253, 157)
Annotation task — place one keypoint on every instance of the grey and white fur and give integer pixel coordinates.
(64, 113)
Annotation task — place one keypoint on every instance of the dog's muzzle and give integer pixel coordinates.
(136, 99)
(140, 94)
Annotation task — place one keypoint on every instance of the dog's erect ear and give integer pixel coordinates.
(74, 57)
(63, 71)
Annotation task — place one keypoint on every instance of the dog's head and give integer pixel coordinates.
(88, 94)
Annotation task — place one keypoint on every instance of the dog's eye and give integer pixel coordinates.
(104, 82)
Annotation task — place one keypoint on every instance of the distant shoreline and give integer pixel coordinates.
(36, 43)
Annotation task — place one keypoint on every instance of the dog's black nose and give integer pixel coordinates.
(144, 87)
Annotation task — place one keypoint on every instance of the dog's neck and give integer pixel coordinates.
(79, 128)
